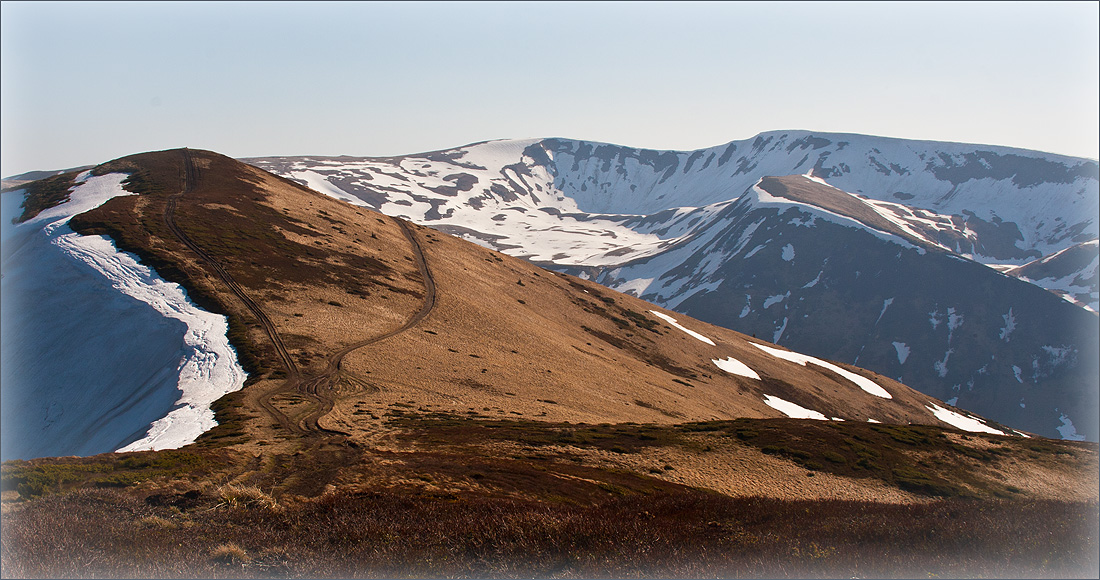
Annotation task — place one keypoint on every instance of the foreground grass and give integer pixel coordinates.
(112, 533)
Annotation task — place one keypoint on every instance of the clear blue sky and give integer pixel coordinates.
(83, 83)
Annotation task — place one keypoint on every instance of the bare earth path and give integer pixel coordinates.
(318, 388)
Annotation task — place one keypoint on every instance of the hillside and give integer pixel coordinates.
(332, 308)
(399, 374)
(688, 231)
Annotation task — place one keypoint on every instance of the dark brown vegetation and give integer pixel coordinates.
(479, 497)
(686, 534)
(46, 193)
(920, 459)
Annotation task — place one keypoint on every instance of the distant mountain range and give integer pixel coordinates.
(968, 272)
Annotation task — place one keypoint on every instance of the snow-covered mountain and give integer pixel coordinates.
(934, 225)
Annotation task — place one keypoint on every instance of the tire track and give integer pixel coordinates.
(317, 388)
(332, 374)
(189, 179)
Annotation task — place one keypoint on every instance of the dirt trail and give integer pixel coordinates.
(318, 388)
(332, 375)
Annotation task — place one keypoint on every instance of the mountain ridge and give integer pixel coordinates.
(289, 261)
(547, 201)
(398, 374)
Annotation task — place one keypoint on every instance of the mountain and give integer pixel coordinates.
(323, 298)
(712, 233)
(395, 401)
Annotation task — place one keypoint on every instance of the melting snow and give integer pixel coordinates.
(903, 351)
(873, 421)
(934, 319)
(734, 366)
(960, 421)
(788, 253)
(798, 358)
(1010, 325)
(1067, 430)
(1018, 373)
(637, 285)
(954, 321)
(773, 300)
(672, 322)
(940, 366)
(753, 252)
(779, 331)
(885, 304)
(792, 410)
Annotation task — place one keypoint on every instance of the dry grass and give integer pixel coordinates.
(685, 534)
(250, 496)
(230, 553)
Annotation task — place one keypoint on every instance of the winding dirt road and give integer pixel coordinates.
(319, 387)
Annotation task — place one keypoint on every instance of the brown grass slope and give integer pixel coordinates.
(395, 370)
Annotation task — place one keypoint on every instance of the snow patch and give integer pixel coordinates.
(753, 252)
(792, 410)
(672, 322)
(903, 351)
(940, 366)
(798, 358)
(788, 253)
(934, 319)
(954, 321)
(638, 286)
(885, 304)
(779, 331)
(734, 366)
(1067, 430)
(773, 300)
(960, 421)
(1010, 325)
(1018, 373)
